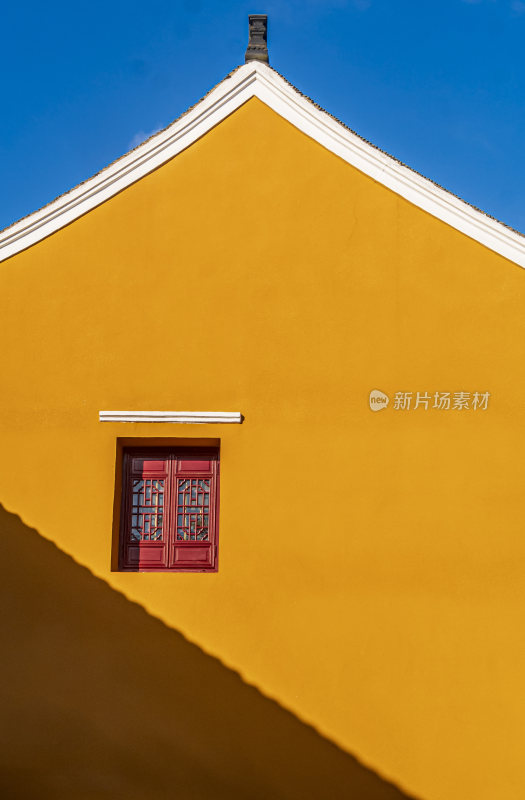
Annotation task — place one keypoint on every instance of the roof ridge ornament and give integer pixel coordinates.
(257, 49)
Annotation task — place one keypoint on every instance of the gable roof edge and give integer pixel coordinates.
(256, 79)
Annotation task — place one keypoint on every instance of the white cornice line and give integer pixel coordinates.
(209, 417)
(258, 80)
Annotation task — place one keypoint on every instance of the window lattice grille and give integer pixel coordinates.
(147, 510)
(193, 506)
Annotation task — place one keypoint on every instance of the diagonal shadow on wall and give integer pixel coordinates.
(104, 701)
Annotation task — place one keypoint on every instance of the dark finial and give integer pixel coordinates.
(257, 48)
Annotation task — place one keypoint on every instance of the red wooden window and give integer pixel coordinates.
(169, 509)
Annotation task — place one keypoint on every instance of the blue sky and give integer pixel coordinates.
(439, 84)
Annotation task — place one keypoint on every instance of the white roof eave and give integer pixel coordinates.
(256, 79)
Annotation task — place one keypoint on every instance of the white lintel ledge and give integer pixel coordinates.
(209, 417)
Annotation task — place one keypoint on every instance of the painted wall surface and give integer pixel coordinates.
(370, 564)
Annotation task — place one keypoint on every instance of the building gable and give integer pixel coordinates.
(256, 79)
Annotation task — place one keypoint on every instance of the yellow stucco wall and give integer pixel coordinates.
(370, 565)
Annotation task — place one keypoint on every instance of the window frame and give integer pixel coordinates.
(175, 555)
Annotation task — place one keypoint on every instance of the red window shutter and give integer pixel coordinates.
(169, 517)
(146, 506)
(195, 506)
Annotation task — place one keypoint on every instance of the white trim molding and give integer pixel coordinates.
(209, 417)
(256, 79)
